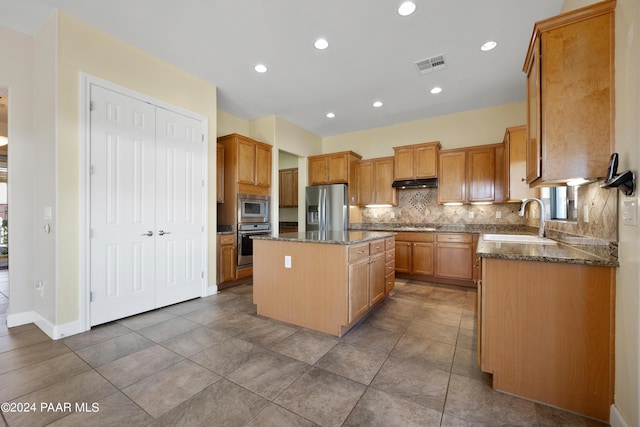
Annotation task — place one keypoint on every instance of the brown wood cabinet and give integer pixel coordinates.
(288, 185)
(471, 174)
(335, 168)
(570, 115)
(374, 182)
(226, 258)
(219, 173)
(390, 264)
(515, 146)
(455, 256)
(416, 161)
(329, 296)
(547, 332)
(247, 170)
(414, 253)
(437, 257)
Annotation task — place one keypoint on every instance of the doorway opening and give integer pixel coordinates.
(288, 193)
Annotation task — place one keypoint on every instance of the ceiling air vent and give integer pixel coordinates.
(429, 65)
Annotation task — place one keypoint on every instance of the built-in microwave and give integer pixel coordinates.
(253, 209)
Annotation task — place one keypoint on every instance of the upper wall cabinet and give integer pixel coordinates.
(570, 115)
(335, 168)
(416, 161)
(471, 174)
(288, 187)
(375, 179)
(247, 165)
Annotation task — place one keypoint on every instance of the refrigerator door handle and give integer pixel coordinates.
(323, 210)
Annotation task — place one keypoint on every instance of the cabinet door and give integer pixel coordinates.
(358, 288)
(263, 165)
(318, 170)
(220, 173)
(288, 187)
(533, 116)
(403, 256)
(454, 260)
(338, 169)
(227, 260)
(452, 177)
(481, 174)
(246, 167)
(377, 283)
(365, 182)
(404, 163)
(422, 258)
(426, 162)
(516, 144)
(383, 192)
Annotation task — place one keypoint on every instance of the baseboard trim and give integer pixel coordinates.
(617, 420)
(54, 332)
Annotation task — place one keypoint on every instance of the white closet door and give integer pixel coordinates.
(122, 206)
(179, 207)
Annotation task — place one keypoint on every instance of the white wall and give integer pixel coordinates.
(16, 73)
(44, 168)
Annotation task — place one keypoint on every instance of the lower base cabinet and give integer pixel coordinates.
(330, 296)
(226, 258)
(437, 257)
(546, 332)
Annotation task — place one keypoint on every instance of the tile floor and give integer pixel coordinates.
(214, 362)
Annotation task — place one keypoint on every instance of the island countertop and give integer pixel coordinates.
(330, 237)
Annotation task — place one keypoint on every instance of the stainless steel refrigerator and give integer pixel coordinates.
(327, 208)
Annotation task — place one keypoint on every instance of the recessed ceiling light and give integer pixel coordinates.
(377, 104)
(331, 115)
(488, 46)
(436, 89)
(321, 44)
(407, 8)
(261, 68)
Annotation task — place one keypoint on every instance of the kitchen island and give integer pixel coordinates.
(322, 281)
(546, 323)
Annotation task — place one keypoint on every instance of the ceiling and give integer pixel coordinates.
(371, 53)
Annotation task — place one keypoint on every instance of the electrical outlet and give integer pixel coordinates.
(629, 212)
(287, 261)
(471, 215)
(393, 215)
(498, 214)
(375, 214)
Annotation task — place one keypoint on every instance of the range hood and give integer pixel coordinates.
(416, 183)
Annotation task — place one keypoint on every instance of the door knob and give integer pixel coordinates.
(148, 233)
(162, 232)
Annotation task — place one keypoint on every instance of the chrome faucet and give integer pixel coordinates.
(541, 232)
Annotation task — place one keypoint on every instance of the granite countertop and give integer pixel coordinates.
(441, 228)
(562, 253)
(332, 237)
(225, 229)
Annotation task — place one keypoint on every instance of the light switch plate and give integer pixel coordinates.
(629, 212)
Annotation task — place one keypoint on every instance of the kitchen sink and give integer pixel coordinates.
(518, 238)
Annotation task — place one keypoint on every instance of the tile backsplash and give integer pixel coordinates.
(420, 206)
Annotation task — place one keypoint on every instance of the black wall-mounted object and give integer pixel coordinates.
(624, 181)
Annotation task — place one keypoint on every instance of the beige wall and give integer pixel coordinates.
(83, 48)
(477, 127)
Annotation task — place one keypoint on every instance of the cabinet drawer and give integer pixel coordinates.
(357, 252)
(227, 239)
(390, 267)
(389, 243)
(415, 236)
(390, 256)
(376, 247)
(455, 238)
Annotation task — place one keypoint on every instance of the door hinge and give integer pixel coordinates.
(202, 228)
(202, 135)
(202, 274)
(91, 170)
(90, 296)
(92, 105)
(202, 183)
